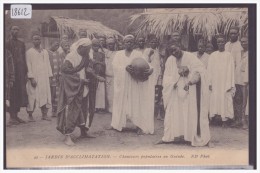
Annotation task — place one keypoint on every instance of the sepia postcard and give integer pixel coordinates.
(123, 85)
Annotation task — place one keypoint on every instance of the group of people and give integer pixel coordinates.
(188, 90)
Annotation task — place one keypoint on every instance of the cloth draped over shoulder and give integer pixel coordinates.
(71, 94)
(72, 91)
(182, 115)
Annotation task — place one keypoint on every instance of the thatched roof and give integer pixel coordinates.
(93, 28)
(205, 21)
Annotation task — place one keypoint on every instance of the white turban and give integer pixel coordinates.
(128, 37)
(80, 42)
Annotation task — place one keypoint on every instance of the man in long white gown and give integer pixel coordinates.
(109, 74)
(132, 99)
(221, 82)
(185, 95)
(201, 54)
(235, 48)
(157, 62)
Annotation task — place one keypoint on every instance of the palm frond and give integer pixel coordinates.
(204, 21)
(67, 25)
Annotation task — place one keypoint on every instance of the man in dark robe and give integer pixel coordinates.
(55, 62)
(18, 95)
(9, 76)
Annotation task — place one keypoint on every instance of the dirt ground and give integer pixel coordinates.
(42, 134)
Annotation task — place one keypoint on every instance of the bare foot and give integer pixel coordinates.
(140, 132)
(20, 120)
(68, 141)
(109, 128)
(46, 118)
(211, 145)
(31, 119)
(160, 142)
(160, 118)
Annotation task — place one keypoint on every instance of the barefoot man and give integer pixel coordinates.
(185, 93)
(132, 99)
(74, 91)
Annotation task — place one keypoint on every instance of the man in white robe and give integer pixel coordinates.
(39, 72)
(201, 54)
(235, 48)
(132, 99)
(109, 74)
(185, 95)
(221, 82)
(141, 44)
(157, 62)
(245, 86)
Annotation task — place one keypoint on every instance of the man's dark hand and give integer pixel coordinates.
(130, 69)
(33, 82)
(186, 87)
(85, 81)
(101, 79)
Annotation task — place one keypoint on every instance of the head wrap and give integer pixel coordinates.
(81, 42)
(128, 37)
(111, 40)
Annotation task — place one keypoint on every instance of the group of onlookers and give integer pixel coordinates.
(184, 89)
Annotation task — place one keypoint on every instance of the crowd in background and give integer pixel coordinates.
(45, 78)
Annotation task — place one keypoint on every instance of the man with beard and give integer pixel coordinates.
(186, 106)
(18, 95)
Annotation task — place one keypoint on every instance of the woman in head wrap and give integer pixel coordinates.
(74, 91)
(132, 98)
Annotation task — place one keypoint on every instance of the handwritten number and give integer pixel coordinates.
(25, 12)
